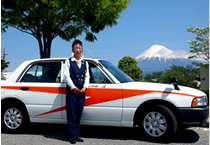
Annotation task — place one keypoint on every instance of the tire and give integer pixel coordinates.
(158, 123)
(14, 118)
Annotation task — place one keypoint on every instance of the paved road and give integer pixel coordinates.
(51, 134)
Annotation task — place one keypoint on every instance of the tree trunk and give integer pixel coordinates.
(45, 47)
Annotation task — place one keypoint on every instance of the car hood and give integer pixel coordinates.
(158, 87)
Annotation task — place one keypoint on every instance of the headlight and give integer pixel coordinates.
(199, 101)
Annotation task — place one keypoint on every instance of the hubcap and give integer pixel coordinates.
(155, 124)
(13, 118)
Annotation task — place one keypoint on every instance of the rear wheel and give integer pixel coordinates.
(14, 118)
(158, 123)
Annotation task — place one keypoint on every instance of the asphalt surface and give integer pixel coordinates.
(54, 134)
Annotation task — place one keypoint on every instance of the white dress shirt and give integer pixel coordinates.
(67, 73)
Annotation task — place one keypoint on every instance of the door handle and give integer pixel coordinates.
(24, 88)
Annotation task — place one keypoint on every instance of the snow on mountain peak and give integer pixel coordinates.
(161, 52)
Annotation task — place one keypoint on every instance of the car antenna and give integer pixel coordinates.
(90, 53)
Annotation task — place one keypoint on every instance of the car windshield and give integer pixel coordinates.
(115, 71)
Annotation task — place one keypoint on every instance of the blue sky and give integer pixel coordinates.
(143, 24)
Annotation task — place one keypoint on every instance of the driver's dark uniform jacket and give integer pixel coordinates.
(75, 102)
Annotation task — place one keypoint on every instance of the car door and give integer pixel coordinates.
(41, 87)
(103, 103)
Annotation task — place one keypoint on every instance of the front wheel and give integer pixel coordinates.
(158, 123)
(13, 118)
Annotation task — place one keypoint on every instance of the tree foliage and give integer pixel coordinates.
(184, 75)
(199, 46)
(129, 66)
(47, 19)
(4, 64)
(154, 77)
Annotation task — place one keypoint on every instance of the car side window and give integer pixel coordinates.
(48, 72)
(96, 75)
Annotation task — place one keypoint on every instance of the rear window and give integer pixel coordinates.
(49, 72)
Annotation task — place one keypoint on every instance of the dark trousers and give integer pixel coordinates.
(74, 108)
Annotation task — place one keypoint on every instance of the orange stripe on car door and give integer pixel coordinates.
(101, 95)
(57, 90)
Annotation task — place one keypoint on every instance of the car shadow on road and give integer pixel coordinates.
(60, 132)
(186, 136)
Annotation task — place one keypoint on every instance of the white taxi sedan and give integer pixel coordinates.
(36, 90)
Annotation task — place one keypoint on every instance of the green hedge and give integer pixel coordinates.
(205, 90)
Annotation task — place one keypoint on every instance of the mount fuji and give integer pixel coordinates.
(158, 58)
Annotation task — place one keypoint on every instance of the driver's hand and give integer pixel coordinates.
(76, 91)
(83, 90)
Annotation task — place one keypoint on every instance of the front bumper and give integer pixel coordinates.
(194, 117)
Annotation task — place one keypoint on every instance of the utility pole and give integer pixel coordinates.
(4, 54)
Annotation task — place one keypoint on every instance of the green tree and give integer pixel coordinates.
(154, 77)
(184, 75)
(129, 66)
(199, 46)
(47, 19)
(4, 64)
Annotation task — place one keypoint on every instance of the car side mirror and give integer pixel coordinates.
(173, 80)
